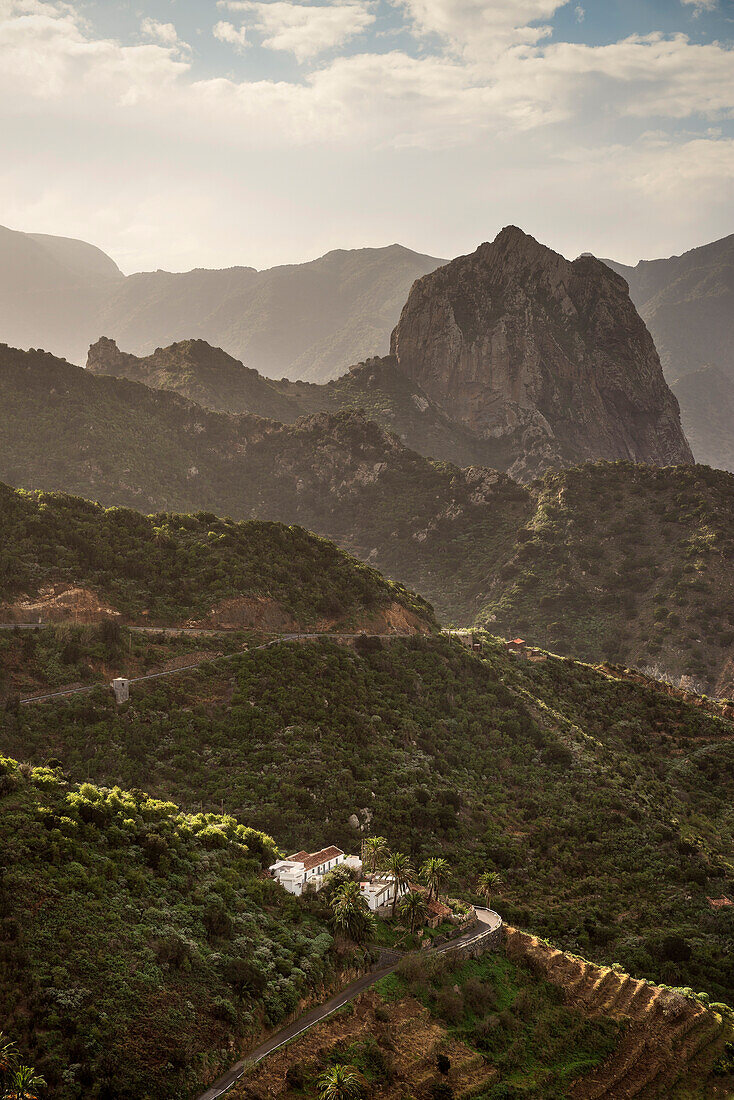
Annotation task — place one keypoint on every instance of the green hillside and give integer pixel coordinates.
(139, 943)
(172, 567)
(605, 561)
(604, 803)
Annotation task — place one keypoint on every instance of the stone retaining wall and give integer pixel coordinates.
(489, 941)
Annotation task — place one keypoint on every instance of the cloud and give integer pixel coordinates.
(482, 27)
(305, 30)
(491, 114)
(580, 13)
(162, 32)
(701, 5)
(227, 32)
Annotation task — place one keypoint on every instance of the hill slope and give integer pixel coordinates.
(604, 802)
(139, 943)
(465, 539)
(217, 381)
(173, 568)
(516, 339)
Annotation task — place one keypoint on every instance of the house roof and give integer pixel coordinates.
(314, 859)
(719, 903)
(516, 641)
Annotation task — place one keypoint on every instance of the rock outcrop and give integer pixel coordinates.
(516, 342)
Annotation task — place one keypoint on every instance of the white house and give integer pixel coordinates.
(379, 891)
(306, 869)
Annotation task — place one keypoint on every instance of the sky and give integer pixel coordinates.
(207, 133)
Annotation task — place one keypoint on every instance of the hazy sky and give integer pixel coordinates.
(181, 133)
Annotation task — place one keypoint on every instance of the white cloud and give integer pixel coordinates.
(580, 13)
(234, 36)
(701, 5)
(532, 124)
(163, 32)
(305, 30)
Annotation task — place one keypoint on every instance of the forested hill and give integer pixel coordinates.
(62, 557)
(138, 943)
(604, 802)
(605, 561)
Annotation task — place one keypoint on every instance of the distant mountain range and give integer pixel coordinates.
(311, 321)
(307, 321)
(511, 357)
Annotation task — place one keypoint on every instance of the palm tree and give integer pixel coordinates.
(434, 873)
(398, 865)
(341, 1083)
(8, 1054)
(351, 913)
(415, 907)
(23, 1084)
(374, 850)
(488, 883)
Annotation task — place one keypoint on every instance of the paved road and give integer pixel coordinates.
(489, 921)
(188, 668)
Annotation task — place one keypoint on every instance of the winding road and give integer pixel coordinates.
(294, 637)
(489, 921)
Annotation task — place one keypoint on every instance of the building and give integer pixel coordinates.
(379, 892)
(306, 869)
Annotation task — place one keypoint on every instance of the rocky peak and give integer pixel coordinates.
(515, 338)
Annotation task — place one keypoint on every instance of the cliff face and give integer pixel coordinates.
(515, 340)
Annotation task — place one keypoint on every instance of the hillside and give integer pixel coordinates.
(65, 558)
(489, 760)
(301, 320)
(688, 304)
(652, 586)
(512, 1026)
(515, 340)
(138, 943)
(210, 377)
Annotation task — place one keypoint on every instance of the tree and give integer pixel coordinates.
(351, 913)
(415, 907)
(374, 850)
(8, 1054)
(398, 865)
(23, 1084)
(488, 883)
(341, 1083)
(435, 872)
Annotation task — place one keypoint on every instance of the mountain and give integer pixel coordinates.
(516, 339)
(140, 943)
(64, 557)
(50, 287)
(301, 320)
(512, 357)
(688, 304)
(216, 380)
(602, 799)
(607, 561)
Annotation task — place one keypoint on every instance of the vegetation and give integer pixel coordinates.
(515, 1020)
(351, 913)
(17, 1082)
(172, 567)
(607, 561)
(341, 1083)
(137, 942)
(602, 802)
